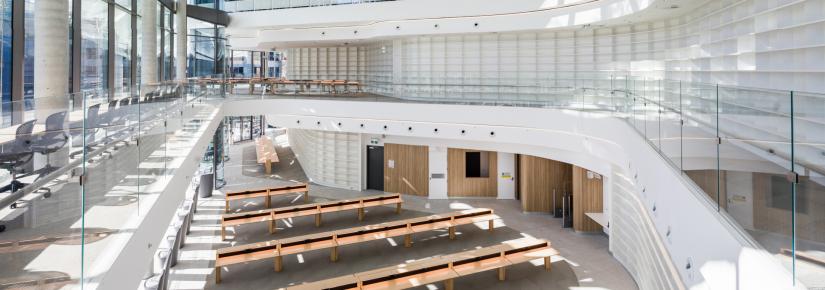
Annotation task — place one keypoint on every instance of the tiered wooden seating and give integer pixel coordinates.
(316, 209)
(267, 193)
(442, 268)
(265, 153)
(332, 240)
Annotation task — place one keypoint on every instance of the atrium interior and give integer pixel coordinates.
(412, 144)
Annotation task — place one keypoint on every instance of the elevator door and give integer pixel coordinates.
(375, 167)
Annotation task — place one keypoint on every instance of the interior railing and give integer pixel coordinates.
(78, 171)
(77, 168)
(758, 154)
(254, 5)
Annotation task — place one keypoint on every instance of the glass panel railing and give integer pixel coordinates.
(738, 145)
(253, 5)
(754, 161)
(809, 165)
(78, 174)
(735, 144)
(40, 227)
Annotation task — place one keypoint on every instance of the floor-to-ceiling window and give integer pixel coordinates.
(214, 4)
(205, 55)
(123, 49)
(5, 58)
(94, 52)
(28, 55)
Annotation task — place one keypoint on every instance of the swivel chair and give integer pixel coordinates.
(52, 140)
(16, 155)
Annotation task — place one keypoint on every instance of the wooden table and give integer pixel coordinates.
(598, 217)
(265, 152)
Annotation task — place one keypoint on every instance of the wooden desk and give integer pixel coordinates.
(316, 209)
(267, 193)
(598, 217)
(334, 239)
(443, 268)
(265, 153)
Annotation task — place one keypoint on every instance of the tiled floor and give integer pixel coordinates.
(585, 262)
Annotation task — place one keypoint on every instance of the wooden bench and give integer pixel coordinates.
(442, 268)
(332, 240)
(805, 257)
(265, 153)
(267, 193)
(316, 209)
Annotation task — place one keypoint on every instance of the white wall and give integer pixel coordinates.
(749, 43)
(328, 157)
(369, 64)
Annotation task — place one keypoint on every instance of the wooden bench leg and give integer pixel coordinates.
(398, 208)
(223, 232)
(279, 264)
(448, 284)
(268, 166)
(408, 240)
(502, 274)
(272, 227)
(490, 225)
(360, 214)
(318, 220)
(217, 275)
(226, 208)
(306, 196)
(333, 256)
(268, 201)
(547, 263)
(452, 233)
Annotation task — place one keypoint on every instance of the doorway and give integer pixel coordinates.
(375, 167)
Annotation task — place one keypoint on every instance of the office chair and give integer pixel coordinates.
(88, 133)
(53, 139)
(15, 155)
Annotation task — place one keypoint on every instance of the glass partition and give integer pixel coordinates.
(252, 5)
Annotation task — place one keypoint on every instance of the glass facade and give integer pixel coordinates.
(205, 49)
(123, 51)
(94, 45)
(5, 59)
(101, 130)
(255, 64)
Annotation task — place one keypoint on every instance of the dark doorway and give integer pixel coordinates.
(375, 167)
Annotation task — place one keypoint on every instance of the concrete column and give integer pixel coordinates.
(51, 58)
(149, 58)
(183, 40)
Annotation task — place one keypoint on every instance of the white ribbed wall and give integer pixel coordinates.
(776, 44)
(371, 64)
(634, 241)
(328, 158)
(327, 63)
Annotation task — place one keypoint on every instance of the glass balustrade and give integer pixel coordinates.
(79, 172)
(253, 5)
(758, 155)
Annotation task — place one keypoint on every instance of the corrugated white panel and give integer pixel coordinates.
(753, 43)
(634, 241)
(328, 158)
